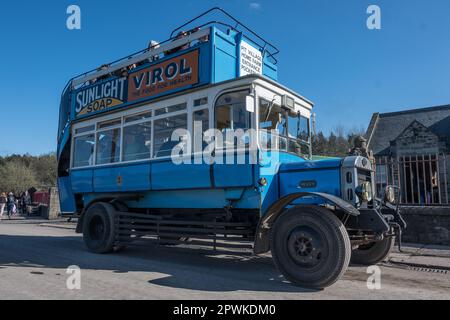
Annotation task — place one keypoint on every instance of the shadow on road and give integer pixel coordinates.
(175, 267)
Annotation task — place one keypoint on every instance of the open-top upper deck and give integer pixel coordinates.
(207, 54)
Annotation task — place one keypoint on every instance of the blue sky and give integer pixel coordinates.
(327, 54)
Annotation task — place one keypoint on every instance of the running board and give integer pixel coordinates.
(132, 227)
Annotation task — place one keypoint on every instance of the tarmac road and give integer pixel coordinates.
(34, 260)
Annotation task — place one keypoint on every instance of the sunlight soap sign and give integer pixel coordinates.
(101, 96)
(251, 60)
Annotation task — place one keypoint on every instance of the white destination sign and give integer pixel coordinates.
(251, 60)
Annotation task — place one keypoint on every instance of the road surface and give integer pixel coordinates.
(34, 259)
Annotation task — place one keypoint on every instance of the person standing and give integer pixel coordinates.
(3, 201)
(10, 204)
(25, 202)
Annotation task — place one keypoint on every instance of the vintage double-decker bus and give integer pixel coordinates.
(129, 174)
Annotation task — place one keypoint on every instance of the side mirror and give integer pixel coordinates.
(250, 104)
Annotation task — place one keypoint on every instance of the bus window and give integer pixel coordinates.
(164, 128)
(282, 129)
(109, 124)
(298, 126)
(83, 153)
(231, 111)
(171, 109)
(241, 117)
(201, 102)
(304, 129)
(108, 146)
(272, 117)
(273, 126)
(137, 141)
(85, 129)
(223, 117)
(142, 116)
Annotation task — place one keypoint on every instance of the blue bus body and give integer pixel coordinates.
(137, 138)
(160, 183)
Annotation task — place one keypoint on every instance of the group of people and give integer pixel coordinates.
(153, 45)
(13, 205)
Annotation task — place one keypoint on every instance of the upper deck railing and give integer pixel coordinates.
(201, 30)
(193, 35)
(266, 46)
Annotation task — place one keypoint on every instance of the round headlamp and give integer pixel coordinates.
(389, 195)
(364, 192)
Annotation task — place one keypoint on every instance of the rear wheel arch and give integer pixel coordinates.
(79, 228)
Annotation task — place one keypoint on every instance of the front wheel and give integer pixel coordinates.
(311, 247)
(373, 253)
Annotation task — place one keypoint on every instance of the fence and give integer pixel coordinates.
(422, 179)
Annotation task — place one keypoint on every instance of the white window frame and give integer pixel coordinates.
(269, 93)
(187, 99)
(72, 151)
(258, 87)
(99, 131)
(137, 122)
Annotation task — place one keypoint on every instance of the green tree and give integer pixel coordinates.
(319, 144)
(45, 168)
(16, 177)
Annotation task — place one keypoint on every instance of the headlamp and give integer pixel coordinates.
(389, 195)
(364, 192)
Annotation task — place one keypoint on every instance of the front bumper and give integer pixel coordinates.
(380, 223)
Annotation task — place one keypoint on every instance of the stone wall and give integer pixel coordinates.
(53, 210)
(427, 225)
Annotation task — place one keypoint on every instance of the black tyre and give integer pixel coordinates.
(98, 228)
(373, 253)
(310, 247)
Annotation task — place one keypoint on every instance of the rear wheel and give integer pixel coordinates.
(98, 228)
(310, 247)
(373, 253)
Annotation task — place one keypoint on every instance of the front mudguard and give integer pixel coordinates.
(262, 239)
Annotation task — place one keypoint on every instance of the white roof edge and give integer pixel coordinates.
(277, 84)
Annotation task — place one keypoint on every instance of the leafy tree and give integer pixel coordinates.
(337, 144)
(45, 168)
(320, 144)
(16, 177)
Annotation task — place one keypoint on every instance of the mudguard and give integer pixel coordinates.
(262, 241)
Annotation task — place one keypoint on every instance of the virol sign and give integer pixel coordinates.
(172, 74)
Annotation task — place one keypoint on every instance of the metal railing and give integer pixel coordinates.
(423, 179)
(173, 42)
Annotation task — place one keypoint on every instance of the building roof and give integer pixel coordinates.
(386, 127)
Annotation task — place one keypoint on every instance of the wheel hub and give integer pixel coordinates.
(305, 247)
(96, 228)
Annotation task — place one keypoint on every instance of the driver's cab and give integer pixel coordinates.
(279, 119)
